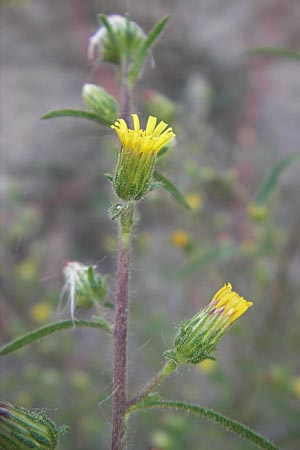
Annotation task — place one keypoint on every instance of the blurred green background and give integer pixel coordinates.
(236, 117)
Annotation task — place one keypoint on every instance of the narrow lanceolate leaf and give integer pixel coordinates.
(270, 182)
(52, 328)
(221, 252)
(172, 189)
(136, 67)
(55, 113)
(275, 51)
(229, 424)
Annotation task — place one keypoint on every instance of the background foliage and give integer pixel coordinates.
(236, 117)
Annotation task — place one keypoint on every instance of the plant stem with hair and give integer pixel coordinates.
(153, 383)
(121, 314)
(120, 343)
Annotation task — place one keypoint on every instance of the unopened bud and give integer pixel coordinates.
(23, 429)
(197, 338)
(100, 102)
(122, 40)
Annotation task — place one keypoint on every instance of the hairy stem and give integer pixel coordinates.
(121, 312)
(154, 382)
(120, 335)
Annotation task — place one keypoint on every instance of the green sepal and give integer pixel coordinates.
(77, 113)
(172, 189)
(170, 354)
(136, 67)
(103, 19)
(154, 185)
(109, 177)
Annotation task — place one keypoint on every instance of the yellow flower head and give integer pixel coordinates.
(229, 303)
(197, 338)
(152, 139)
(132, 179)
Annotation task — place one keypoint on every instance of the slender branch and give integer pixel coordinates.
(154, 382)
(229, 424)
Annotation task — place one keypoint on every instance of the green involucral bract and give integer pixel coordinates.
(22, 429)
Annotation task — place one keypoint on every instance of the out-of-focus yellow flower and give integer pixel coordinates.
(179, 238)
(195, 201)
(207, 366)
(258, 213)
(41, 312)
(137, 157)
(27, 270)
(296, 386)
(80, 380)
(162, 440)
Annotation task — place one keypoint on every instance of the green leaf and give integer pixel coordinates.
(270, 182)
(51, 328)
(228, 424)
(55, 113)
(221, 252)
(274, 51)
(137, 65)
(172, 189)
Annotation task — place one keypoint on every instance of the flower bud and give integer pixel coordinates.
(100, 102)
(84, 286)
(137, 157)
(197, 338)
(22, 429)
(121, 39)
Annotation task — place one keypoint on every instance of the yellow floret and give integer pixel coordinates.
(152, 139)
(231, 303)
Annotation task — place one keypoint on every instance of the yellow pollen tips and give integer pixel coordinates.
(231, 303)
(152, 139)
